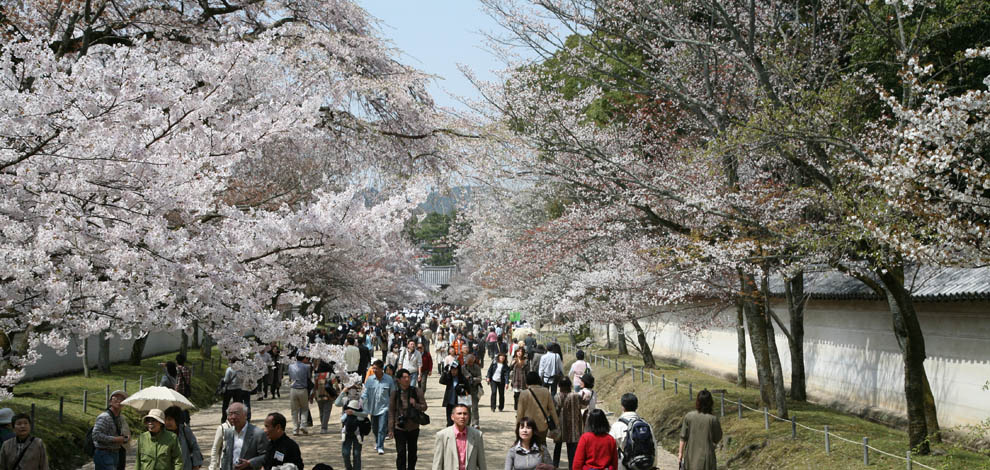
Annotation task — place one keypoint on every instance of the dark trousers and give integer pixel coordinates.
(450, 410)
(515, 400)
(498, 388)
(551, 385)
(571, 449)
(406, 447)
(240, 396)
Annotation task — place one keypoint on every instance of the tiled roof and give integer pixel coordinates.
(930, 284)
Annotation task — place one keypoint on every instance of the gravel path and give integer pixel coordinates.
(325, 448)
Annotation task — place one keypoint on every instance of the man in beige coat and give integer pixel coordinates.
(447, 456)
(536, 403)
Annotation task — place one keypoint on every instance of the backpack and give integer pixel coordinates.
(353, 425)
(89, 447)
(638, 452)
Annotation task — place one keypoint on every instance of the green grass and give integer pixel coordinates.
(665, 409)
(64, 439)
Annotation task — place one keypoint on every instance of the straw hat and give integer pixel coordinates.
(157, 415)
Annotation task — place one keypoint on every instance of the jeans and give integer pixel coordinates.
(499, 389)
(326, 406)
(551, 385)
(406, 446)
(105, 459)
(475, 414)
(413, 377)
(351, 446)
(299, 404)
(378, 426)
(515, 400)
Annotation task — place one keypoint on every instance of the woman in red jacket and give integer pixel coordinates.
(596, 449)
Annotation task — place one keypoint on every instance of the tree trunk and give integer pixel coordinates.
(644, 346)
(794, 290)
(85, 356)
(931, 415)
(907, 330)
(195, 338)
(741, 346)
(758, 337)
(207, 349)
(608, 336)
(137, 350)
(779, 393)
(103, 361)
(621, 337)
(184, 344)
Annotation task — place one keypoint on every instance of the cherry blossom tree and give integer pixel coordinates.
(178, 161)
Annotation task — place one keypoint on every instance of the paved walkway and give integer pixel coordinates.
(498, 428)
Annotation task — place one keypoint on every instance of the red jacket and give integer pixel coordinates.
(596, 452)
(427, 363)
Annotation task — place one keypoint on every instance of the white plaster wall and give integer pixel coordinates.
(852, 358)
(120, 350)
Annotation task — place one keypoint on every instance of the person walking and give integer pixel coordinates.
(578, 369)
(412, 360)
(192, 456)
(157, 449)
(571, 421)
(276, 379)
(551, 367)
(596, 449)
(526, 453)
(244, 445)
(700, 433)
(633, 435)
(352, 356)
(453, 380)
(23, 451)
(427, 366)
(325, 392)
(518, 375)
(472, 372)
(299, 396)
(6, 424)
(537, 404)
(392, 358)
(232, 390)
(459, 446)
(281, 448)
(377, 390)
(498, 378)
(110, 435)
(405, 401)
(169, 378)
(353, 419)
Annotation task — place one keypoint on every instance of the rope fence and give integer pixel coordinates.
(768, 417)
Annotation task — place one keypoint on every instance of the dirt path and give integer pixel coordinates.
(498, 428)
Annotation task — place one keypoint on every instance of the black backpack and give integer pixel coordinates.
(638, 452)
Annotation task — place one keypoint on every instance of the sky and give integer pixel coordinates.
(437, 35)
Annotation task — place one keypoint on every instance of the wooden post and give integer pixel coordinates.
(32, 417)
(690, 390)
(766, 418)
(61, 408)
(85, 400)
(740, 407)
(108, 397)
(663, 381)
(793, 427)
(675, 385)
(141, 382)
(909, 460)
(721, 406)
(125, 385)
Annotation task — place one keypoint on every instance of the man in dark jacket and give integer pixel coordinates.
(281, 448)
(365, 360)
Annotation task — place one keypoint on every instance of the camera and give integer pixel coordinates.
(400, 422)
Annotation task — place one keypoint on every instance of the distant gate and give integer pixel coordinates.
(437, 275)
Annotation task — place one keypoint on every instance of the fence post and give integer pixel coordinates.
(61, 408)
(828, 443)
(721, 409)
(793, 427)
(156, 379)
(909, 460)
(108, 397)
(653, 379)
(125, 385)
(192, 369)
(85, 400)
(623, 366)
(141, 382)
(690, 390)
(663, 381)
(675, 385)
(866, 451)
(766, 418)
(32, 417)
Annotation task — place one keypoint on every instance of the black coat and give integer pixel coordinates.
(505, 372)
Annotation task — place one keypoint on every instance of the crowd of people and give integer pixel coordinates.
(395, 353)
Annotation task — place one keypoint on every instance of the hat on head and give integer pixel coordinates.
(6, 415)
(157, 415)
(122, 393)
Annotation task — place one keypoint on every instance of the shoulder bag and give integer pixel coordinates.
(551, 424)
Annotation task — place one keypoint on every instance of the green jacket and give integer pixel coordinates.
(160, 452)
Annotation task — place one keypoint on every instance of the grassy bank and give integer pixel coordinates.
(64, 439)
(747, 444)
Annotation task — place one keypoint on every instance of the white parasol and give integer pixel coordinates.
(157, 398)
(520, 333)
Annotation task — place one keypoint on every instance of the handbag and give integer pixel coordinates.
(414, 414)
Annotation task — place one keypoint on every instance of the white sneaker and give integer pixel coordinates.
(381, 451)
